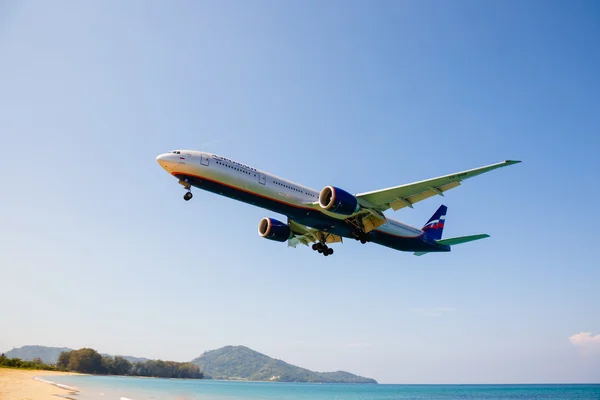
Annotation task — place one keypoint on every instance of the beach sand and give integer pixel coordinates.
(18, 384)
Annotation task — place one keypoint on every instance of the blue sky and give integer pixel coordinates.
(99, 249)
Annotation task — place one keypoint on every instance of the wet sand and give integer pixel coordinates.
(18, 384)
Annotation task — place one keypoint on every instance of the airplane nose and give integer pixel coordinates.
(164, 160)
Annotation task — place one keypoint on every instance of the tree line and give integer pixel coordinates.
(89, 361)
(18, 363)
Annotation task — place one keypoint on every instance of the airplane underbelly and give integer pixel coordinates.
(301, 214)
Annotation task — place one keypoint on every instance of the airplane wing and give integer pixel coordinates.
(304, 235)
(406, 195)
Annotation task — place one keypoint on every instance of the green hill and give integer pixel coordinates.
(240, 362)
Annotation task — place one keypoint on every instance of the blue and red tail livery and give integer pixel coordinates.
(435, 226)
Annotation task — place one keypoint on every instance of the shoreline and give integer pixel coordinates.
(17, 384)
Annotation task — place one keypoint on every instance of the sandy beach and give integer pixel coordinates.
(18, 384)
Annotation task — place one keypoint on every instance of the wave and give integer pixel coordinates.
(72, 389)
(60, 385)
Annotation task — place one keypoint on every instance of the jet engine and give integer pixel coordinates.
(338, 201)
(272, 229)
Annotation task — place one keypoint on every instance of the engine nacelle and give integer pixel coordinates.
(272, 229)
(338, 201)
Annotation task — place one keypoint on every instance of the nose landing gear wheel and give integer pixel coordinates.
(188, 196)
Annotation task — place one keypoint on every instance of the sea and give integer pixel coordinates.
(127, 388)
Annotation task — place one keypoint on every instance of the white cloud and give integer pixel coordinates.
(434, 312)
(586, 340)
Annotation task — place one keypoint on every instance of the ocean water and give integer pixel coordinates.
(120, 388)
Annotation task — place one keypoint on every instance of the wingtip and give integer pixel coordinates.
(511, 162)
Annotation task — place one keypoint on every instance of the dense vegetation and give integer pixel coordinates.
(49, 355)
(240, 362)
(18, 363)
(89, 361)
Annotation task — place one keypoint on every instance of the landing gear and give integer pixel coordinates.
(322, 249)
(362, 237)
(188, 195)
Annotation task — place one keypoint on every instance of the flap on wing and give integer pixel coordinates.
(305, 235)
(408, 201)
(406, 195)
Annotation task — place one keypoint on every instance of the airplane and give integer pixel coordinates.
(324, 217)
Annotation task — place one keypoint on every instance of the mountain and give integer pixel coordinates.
(229, 362)
(49, 355)
(240, 362)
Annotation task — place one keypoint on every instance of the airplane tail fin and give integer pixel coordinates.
(435, 226)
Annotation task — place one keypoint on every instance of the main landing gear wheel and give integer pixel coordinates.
(322, 249)
(187, 196)
(362, 237)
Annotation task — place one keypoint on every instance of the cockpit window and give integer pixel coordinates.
(176, 152)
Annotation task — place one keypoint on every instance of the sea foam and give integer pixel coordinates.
(60, 385)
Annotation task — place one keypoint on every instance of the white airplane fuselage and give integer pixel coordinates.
(247, 184)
